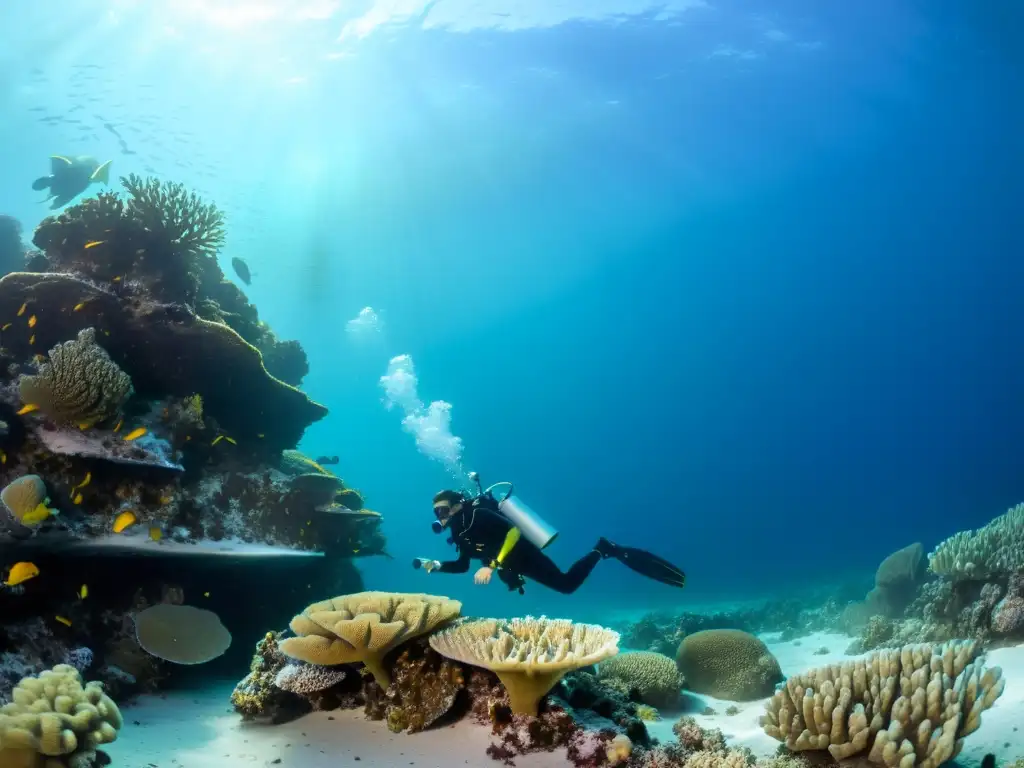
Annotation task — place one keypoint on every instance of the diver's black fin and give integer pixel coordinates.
(42, 183)
(988, 761)
(650, 565)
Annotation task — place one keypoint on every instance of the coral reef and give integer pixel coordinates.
(997, 549)
(365, 627)
(911, 707)
(12, 250)
(424, 688)
(79, 384)
(54, 720)
(653, 677)
(146, 338)
(528, 655)
(259, 696)
(728, 664)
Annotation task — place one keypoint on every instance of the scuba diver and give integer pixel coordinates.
(508, 537)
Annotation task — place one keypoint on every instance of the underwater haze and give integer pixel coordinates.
(735, 282)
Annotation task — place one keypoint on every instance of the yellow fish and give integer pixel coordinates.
(94, 243)
(83, 591)
(3, 457)
(28, 409)
(37, 515)
(6, 326)
(124, 520)
(23, 308)
(78, 498)
(20, 572)
(63, 620)
(85, 481)
(119, 424)
(84, 425)
(32, 321)
(217, 439)
(116, 279)
(155, 533)
(79, 306)
(231, 440)
(135, 434)
(166, 499)
(206, 594)
(32, 339)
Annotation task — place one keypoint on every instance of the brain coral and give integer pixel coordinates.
(728, 664)
(79, 384)
(653, 675)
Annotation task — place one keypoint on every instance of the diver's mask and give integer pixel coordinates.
(444, 513)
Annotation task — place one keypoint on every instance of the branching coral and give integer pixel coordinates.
(56, 721)
(167, 208)
(904, 708)
(528, 655)
(79, 384)
(996, 549)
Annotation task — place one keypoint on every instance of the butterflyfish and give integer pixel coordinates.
(21, 572)
(124, 520)
(135, 434)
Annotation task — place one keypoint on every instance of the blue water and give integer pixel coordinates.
(736, 281)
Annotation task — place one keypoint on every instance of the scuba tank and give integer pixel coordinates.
(518, 512)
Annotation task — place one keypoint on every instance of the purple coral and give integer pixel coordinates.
(308, 678)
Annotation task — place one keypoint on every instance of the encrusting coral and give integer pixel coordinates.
(365, 627)
(898, 708)
(653, 676)
(54, 721)
(79, 384)
(528, 655)
(728, 664)
(995, 549)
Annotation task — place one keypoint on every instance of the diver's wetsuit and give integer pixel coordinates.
(479, 532)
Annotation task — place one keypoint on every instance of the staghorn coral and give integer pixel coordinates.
(56, 721)
(180, 216)
(364, 627)
(903, 708)
(79, 384)
(653, 676)
(528, 655)
(728, 664)
(996, 549)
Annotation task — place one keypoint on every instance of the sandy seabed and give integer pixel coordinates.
(200, 730)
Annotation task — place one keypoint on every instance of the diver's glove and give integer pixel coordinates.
(426, 564)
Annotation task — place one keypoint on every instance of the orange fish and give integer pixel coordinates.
(125, 520)
(135, 434)
(21, 572)
(32, 322)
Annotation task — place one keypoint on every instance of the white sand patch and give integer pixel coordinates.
(200, 730)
